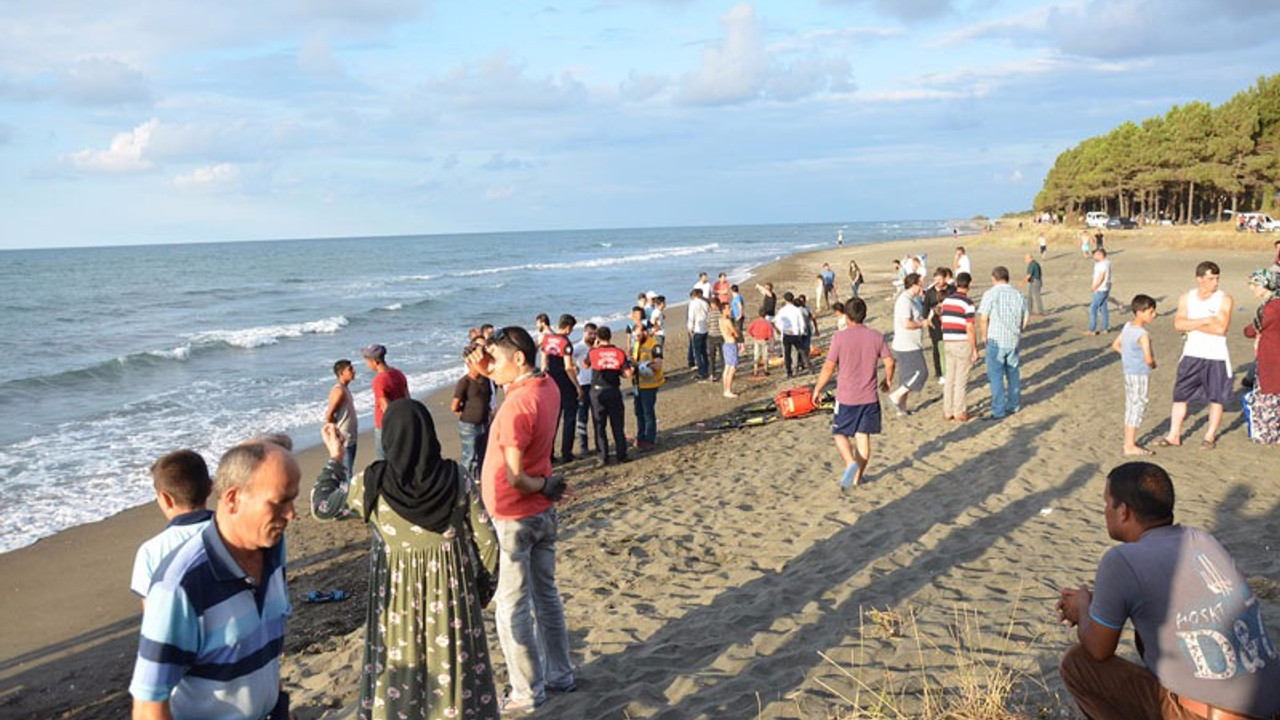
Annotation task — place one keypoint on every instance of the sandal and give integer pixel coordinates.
(1208, 444)
(1164, 442)
(316, 596)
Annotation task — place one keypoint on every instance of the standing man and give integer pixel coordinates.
(1034, 280)
(696, 323)
(729, 346)
(932, 302)
(520, 493)
(828, 286)
(1044, 245)
(792, 325)
(908, 342)
(1204, 372)
(704, 285)
(737, 310)
(962, 263)
(960, 343)
(646, 357)
(722, 290)
(1197, 626)
(341, 411)
(472, 395)
(389, 384)
(853, 357)
(609, 364)
(715, 338)
(556, 352)
(213, 627)
(1002, 317)
(586, 418)
(1101, 289)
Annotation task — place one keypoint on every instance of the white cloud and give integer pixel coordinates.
(220, 178)
(497, 83)
(126, 154)
(638, 88)
(103, 81)
(908, 10)
(739, 67)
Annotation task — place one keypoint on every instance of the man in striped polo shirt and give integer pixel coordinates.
(214, 622)
(960, 345)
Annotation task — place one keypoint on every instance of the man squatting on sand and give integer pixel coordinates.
(1197, 626)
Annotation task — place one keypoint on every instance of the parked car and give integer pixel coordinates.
(1121, 224)
(1263, 222)
(1096, 219)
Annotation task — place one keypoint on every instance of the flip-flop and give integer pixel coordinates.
(316, 596)
(846, 480)
(1164, 442)
(1208, 444)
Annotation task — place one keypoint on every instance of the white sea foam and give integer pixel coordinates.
(256, 337)
(394, 307)
(182, 352)
(597, 262)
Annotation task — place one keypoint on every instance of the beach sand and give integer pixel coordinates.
(723, 575)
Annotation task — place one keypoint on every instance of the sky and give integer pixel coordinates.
(162, 121)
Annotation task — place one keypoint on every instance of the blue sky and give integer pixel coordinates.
(179, 121)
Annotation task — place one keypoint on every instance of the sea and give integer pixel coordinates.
(117, 355)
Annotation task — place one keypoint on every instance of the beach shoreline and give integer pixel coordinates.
(72, 654)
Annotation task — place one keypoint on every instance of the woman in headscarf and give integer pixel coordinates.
(1264, 408)
(425, 654)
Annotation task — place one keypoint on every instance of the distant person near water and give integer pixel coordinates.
(715, 340)
(1034, 280)
(472, 396)
(341, 410)
(1002, 316)
(731, 344)
(1138, 359)
(1198, 628)
(854, 357)
(231, 577)
(855, 278)
(828, 287)
(1204, 372)
(520, 494)
(389, 385)
(556, 351)
(182, 485)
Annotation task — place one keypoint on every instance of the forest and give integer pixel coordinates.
(1196, 163)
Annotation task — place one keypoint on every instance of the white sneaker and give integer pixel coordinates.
(942, 381)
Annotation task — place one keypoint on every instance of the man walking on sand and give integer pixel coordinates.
(908, 343)
(1034, 280)
(341, 411)
(853, 358)
(1002, 317)
(1198, 628)
(1204, 372)
(1101, 289)
(389, 384)
(828, 287)
(960, 343)
(520, 494)
(215, 615)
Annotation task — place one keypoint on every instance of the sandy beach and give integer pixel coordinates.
(723, 575)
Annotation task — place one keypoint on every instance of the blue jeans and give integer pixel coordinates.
(529, 613)
(1005, 377)
(699, 346)
(350, 460)
(474, 438)
(584, 421)
(1099, 305)
(646, 402)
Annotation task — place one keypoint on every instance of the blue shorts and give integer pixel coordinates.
(849, 420)
(730, 354)
(1199, 379)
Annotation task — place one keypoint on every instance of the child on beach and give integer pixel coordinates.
(761, 332)
(182, 485)
(1138, 359)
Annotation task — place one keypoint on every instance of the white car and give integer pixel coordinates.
(1096, 219)
(1264, 221)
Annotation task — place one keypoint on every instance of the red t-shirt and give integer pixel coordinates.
(760, 329)
(857, 351)
(390, 384)
(723, 290)
(526, 419)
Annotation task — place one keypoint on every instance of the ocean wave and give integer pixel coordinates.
(182, 353)
(394, 307)
(596, 262)
(256, 337)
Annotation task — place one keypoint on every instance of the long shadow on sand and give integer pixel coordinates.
(736, 617)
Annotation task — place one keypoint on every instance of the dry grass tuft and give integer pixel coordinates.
(1264, 588)
(981, 682)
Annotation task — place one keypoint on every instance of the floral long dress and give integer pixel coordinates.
(426, 656)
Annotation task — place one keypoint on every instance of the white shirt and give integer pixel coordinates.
(963, 265)
(790, 320)
(705, 287)
(698, 312)
(1102, 269)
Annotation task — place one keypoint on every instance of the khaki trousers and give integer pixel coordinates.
(958, 364)
(1116, 689)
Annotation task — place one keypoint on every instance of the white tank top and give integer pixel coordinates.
(1202, 344)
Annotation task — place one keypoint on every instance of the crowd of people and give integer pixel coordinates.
(450, 537)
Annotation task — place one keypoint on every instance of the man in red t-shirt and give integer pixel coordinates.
(520, 492)
(389, 384)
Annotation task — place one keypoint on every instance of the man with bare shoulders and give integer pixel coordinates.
(1204, 372)
(341, 411)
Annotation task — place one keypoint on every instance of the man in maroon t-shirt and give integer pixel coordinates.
(389, 384)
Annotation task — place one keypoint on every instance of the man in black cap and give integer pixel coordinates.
(389, 384)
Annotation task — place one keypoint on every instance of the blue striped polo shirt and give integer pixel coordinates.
(211, 640)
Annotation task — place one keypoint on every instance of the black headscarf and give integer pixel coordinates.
(417, 483)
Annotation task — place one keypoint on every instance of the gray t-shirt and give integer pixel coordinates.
(1200, 624)
(904, 309)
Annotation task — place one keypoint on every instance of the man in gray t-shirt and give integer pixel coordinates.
(1197, 625)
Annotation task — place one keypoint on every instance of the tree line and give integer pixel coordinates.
(1193, 164)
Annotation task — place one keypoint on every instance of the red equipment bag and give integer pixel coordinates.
(796, 402)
